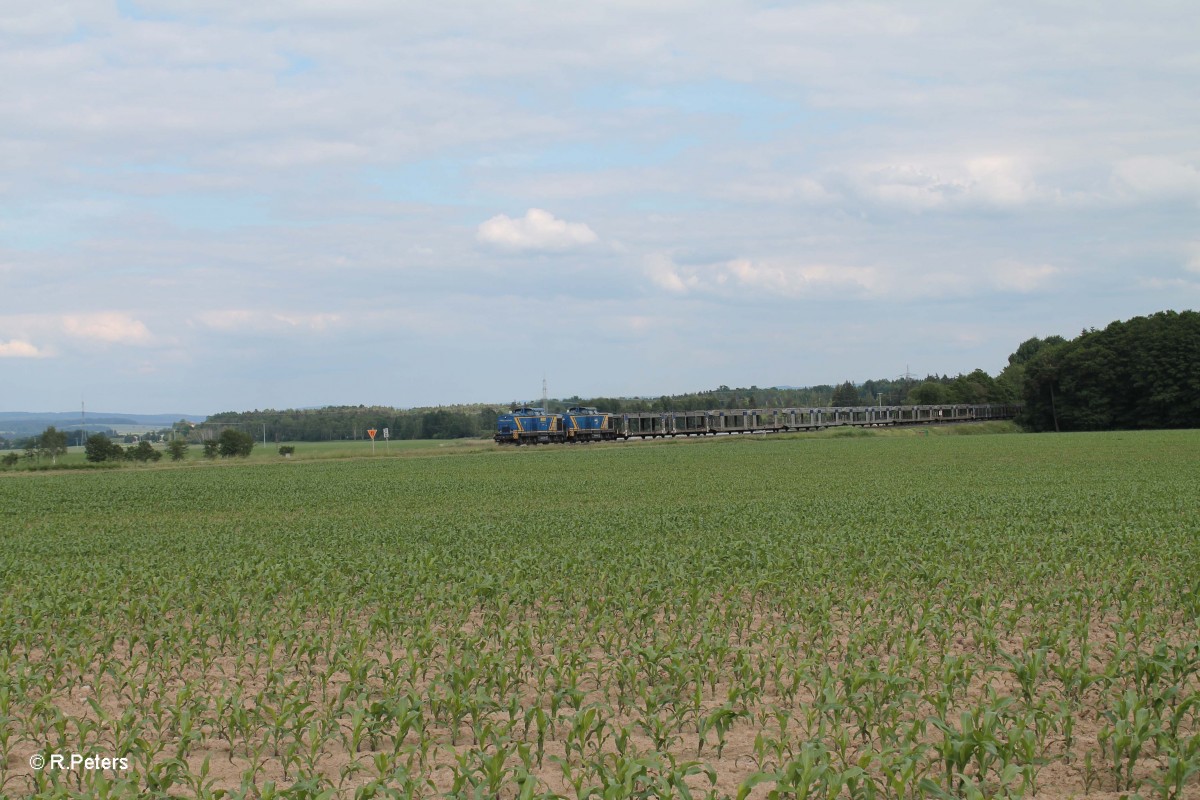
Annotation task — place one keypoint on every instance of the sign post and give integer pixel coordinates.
(386, 437)
(371, 433)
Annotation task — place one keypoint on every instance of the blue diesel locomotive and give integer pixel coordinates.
(530, 425)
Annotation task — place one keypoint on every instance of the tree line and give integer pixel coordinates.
(231, 442)
(352, 422)
(47, 446)
(479, 421)
(74, 436)
(1141, 373)
(974, 388)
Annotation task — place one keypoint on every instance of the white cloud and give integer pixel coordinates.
(225, 320)
(922, 184)
(1016, 277)
(242, 319)
(666, 275)
(1000, 180)
(19, 348)
(109, 327)
(537, 230)
(313, 322)
(906, 186)
(1158, 177)
(774, 278)
(781, 277)
(797, 279)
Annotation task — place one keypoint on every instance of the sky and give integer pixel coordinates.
(220, 205)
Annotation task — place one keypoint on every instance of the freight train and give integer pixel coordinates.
(582, 424)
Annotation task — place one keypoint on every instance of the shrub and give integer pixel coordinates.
(143, 452)
(178, 449)
(233, 442)
(99, 447)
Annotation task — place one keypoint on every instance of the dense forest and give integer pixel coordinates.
(1142, 373)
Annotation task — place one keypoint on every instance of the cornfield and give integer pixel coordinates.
(899, 618)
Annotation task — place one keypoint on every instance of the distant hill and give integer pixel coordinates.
(28, 423)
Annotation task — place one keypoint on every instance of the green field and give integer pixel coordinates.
(305, 451)
(342, 449)
(892, 616)
(308, 451)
